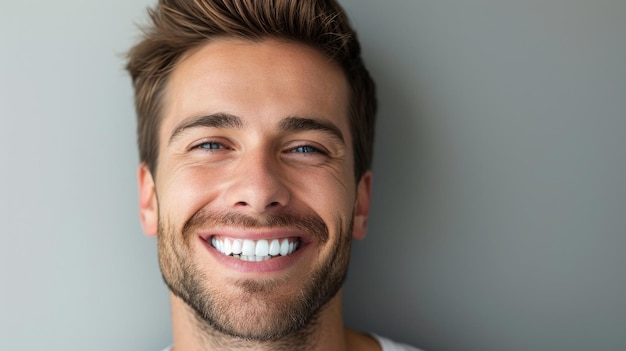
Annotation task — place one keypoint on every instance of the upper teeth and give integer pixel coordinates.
(254, 250)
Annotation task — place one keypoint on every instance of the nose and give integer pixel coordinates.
(257, 186)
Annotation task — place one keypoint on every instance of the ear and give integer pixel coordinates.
(148, 205)
(362, 206)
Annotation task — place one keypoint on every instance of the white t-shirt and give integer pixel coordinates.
(386, 344)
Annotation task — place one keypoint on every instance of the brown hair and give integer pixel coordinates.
(181, 25)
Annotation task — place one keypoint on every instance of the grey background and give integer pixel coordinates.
(499, 213)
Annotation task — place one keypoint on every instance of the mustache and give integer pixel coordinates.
(310, 224)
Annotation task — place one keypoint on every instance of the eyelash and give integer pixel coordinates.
(212, 143)
(215, 145)
(311, 149)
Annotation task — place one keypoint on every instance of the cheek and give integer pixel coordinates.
(331, 197)
(188, 190)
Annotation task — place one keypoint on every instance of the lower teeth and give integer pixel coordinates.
(253, 258)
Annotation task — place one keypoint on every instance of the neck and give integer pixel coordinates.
(324, 332)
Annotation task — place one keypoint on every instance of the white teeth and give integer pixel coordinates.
(254, 251)
(248, 248)
(274, 247)
(227, 247)
(253, 258)
(284, 247)
(262, 248)
(236, 247)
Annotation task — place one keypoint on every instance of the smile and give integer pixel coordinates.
(255, 250)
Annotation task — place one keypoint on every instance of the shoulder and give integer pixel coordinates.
(388, 345)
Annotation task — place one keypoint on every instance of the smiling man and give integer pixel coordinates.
(255, 129)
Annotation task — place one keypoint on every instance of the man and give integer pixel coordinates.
(255, 129)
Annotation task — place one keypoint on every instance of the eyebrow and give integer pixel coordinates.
(215, 120)
(295, 124)
(226, 120)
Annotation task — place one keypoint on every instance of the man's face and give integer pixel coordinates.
(254, 197)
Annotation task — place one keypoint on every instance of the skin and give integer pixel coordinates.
(257, 168)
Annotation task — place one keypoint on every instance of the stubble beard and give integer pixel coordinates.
(259, 311)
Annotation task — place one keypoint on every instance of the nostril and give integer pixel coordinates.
(270, 205)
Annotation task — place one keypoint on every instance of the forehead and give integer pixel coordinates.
(260, 81)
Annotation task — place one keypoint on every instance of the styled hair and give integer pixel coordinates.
(178, 26)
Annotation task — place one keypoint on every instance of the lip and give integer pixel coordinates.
(276, 264)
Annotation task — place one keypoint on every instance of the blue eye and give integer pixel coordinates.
(210, 146)
(305, 149)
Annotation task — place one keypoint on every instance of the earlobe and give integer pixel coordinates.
(148, 206)
(362, 206)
